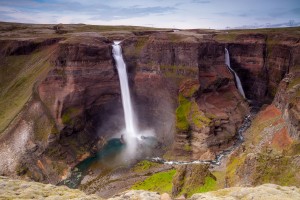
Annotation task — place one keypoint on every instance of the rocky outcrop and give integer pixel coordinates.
(189, 178)
(268, 148)
(17, 189)
(266, 191)
(137, 194)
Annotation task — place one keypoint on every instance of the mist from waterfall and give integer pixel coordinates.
(238, 81)
(130, 122)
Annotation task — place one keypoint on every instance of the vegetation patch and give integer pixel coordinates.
(160, 182)
(276, 169)
(144, 166)
(182, 113)
(227, 37)
(187, 147)
(198, 117)
(141, 42)
(173, 37)
(69, 114)
(17, 77)
(178, 71)
(232, 167)
(210, 184)
(294, 82)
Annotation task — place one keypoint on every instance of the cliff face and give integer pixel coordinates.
(180, 85)
(272, 142)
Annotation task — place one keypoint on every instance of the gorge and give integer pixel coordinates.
(61, 103)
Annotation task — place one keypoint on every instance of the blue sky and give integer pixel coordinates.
(217, 14)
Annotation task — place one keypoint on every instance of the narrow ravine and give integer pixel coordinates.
(240, 139)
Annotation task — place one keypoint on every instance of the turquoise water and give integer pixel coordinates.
(103, 158)
(109, 158)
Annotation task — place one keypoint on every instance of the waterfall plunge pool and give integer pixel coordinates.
(111, 157)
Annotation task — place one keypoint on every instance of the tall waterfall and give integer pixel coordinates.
(238, 81)
(131, 127)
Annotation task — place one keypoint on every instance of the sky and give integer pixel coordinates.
(216, 14)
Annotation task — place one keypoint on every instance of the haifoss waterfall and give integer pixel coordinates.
(130, 122)
(238, 81)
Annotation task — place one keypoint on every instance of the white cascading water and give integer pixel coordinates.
(131, 127)
(238, 81)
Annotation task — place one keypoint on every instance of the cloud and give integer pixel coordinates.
(282, 13)
(295, 11)
(200, 1)
(98, 11)
(159, 13)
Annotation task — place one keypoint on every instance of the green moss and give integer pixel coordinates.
(276, 169)
(232, 166)
(210, 184)
(198, 117)
(69, 114)
(182, 113)
(187, 147)
(160, 182)
(295, 81)
(220, 178)
(144, 166)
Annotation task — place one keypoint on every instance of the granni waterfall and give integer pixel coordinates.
(130, 123)
(238, 81)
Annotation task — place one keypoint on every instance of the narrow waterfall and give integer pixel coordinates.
(238, 81)
(131, 127)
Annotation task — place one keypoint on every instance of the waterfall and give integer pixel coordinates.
(238, 81)
(131, 127)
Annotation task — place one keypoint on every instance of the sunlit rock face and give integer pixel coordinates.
(195, 72)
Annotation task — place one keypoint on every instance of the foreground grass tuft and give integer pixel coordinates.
(160, 182)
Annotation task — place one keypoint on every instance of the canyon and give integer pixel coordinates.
(61, 102)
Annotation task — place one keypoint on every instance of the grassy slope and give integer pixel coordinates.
(231, 35)
(17, 77)
(159, 182)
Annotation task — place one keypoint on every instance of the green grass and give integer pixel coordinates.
(18, 75)
(97, 28)
(160, 182)
(198, 117)
(230, 37)
(232, 166)
(210, 184)
(144, 165)
(173, 37)
(187, 147)
(281, 171)
(182, 113)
